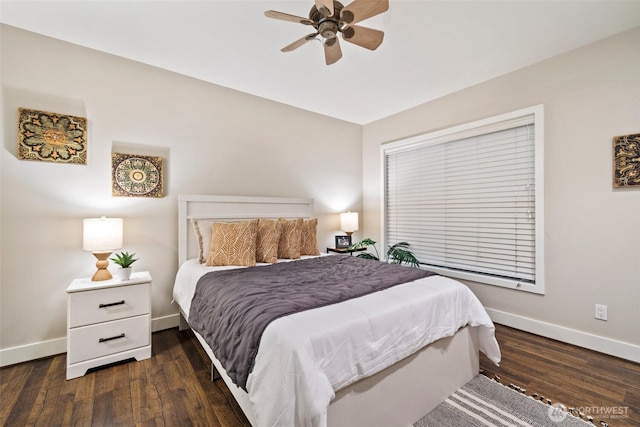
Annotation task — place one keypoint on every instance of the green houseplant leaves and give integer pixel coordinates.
(396, 254)
(124, 259)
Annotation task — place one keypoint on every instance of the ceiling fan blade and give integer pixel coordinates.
(363, 36)
(359, 10)
(332, 51)
(325, 7)
(286, 17)
(296, 44)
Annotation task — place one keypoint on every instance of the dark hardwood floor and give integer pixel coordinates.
(571, 375)
(173, 388)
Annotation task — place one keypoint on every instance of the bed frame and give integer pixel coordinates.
(397, 396)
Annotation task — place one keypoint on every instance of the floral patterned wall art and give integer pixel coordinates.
(51, 137)
(626, 160)
(136, 175)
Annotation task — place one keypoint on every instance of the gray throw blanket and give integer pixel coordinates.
(232, 308)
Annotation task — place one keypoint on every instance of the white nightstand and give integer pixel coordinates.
(107, 321)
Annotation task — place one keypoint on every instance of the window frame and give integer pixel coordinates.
(480, 127)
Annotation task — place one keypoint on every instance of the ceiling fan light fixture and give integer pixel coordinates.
(348, 32)
(328, 29)
(330, 17)
(347, 16)
(325, 12)
(325, 7)
(330, 42)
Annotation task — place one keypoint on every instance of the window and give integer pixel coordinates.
(469, 199)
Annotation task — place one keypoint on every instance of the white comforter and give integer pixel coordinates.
(305, 357)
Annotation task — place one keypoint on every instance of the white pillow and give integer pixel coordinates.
(202, 228)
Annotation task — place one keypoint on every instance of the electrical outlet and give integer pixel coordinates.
(601, 312)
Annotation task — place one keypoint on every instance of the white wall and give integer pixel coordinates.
(592, 230)
(214, 141)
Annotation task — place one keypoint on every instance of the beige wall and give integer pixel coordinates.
(214, 141)
(592, 230)
(218, 141)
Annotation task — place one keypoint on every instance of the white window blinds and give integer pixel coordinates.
(466, 201)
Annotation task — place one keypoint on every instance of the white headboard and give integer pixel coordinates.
(195, 206)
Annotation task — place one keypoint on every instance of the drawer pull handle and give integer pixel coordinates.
(111, 304)
(111, 338)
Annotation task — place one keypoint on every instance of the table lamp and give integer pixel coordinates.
(101, 236)
(349, 222)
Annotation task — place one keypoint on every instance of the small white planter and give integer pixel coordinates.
(124, 273)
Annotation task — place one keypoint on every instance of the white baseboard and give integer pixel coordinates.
(24, 353)
(165, 322)
(598, 343)
(37, 350)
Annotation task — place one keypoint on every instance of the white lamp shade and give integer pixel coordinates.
(349, 222)
(102, 234)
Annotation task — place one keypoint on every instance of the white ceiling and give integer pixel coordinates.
(431, 48)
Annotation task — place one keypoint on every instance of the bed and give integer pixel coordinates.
(324, 382)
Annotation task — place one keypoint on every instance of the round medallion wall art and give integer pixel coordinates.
(136, 175)
(51, 137)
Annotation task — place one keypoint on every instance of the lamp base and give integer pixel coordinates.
(103, 262)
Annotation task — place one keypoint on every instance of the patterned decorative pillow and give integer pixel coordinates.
(233, 243)
(308, 240)
(289, 244)
(202, 229)
(267, 240)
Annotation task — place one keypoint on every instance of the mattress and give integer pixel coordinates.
(305, 358)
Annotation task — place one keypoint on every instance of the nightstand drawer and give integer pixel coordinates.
(89, 342)
(102, 305)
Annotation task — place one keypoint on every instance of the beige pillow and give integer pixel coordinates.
(267, 239)
(202, 230)
(233, 243)
(308, 240)
(289, 244)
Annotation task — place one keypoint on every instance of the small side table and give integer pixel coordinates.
(107, 321)
(345, 250)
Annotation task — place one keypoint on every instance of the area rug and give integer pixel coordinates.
(485, 402)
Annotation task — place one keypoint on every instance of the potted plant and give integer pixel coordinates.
(396, 254)
(124, 260)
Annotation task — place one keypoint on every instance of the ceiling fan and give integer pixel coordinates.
(330, 17)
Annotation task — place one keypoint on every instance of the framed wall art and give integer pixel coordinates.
(136, 175)
(51, 137)
(626, 160)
